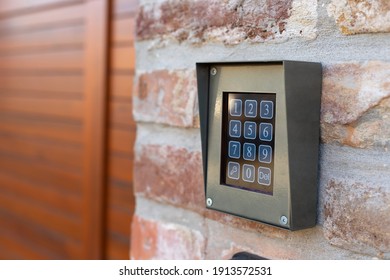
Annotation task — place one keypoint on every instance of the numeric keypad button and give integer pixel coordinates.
(264, 176)
(234, 149)
(249, 151)
(248, 173)
(265, 131)
(233, 170)
(250, 130)
(235, 107)
(235, 129)
(250, 109)
(266, 109)
(265, 153)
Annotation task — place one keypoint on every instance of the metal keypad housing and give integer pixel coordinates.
(260, 138)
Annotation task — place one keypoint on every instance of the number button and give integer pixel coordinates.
(235, 129)
(235, 107)
(250, 108)
(264, 176)
(250, 130)
(265, 153)
(248, 173)
(233, 170)
(266, 109)
(249, 152)
(234, 149)
(265, 131)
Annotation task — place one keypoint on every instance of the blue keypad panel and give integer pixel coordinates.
(248, 141)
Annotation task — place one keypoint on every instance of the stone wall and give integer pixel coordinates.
(351, 40)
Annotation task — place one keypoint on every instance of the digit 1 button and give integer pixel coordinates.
(265, 131)
(265, 153)
(235, 107)
(248, 173)
(235, 128)
(266, 109)
(250, 108)
(249, 152)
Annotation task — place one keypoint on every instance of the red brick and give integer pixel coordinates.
(357, 217)
(158, 240)
(170, 175)
(229, 21)
(361, 16)
(167, 97)
(143, 239)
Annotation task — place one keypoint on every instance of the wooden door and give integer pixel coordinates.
(61, 161)
(121, 130)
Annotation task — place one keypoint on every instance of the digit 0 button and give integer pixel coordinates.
(248, 173)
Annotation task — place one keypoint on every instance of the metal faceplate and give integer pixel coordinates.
(248, 204)
(253, 81)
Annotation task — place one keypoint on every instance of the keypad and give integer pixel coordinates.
(248, 140)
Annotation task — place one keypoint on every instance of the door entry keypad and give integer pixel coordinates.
(248, 141)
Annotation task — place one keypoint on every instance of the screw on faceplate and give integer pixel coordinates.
(283, 220)
(209, 202)
(213, 71)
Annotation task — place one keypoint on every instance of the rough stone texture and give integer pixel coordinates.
(355, 106)
(228, 21)
(153, 239)
(354, 199)
(361, 16)
(171, 175)
(350, 89)
(167, 97)
(371, 130)
(357, 217)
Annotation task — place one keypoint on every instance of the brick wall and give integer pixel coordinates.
(350, 38)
